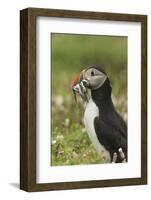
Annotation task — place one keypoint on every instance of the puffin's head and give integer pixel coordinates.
(90, 78)
(94, 76)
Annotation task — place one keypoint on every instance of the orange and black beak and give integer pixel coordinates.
(75, 82)
(79, 87)
(78, 79)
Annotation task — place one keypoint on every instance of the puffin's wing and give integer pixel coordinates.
(116, 120)
(112, 117)
(110, 137)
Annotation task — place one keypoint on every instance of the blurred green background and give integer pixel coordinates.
(70, 54)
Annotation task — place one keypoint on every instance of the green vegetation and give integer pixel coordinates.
(70, 54)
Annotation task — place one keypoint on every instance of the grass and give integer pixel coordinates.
(70, 144)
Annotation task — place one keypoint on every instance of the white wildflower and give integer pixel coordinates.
(53, 142)
(83, 130)
(58, 100)
(67, 122)
(59, 137)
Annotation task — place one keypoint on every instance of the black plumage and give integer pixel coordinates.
(110, 128)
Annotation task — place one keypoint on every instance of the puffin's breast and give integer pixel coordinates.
(91, 112)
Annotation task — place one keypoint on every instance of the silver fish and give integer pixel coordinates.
(82, 90)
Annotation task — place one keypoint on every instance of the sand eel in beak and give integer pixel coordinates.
(80, 86)
(105, 127)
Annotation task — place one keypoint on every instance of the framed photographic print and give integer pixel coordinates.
(83, 99)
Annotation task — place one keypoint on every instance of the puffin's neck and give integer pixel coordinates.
(102, 95)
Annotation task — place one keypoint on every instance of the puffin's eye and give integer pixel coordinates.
(92, 73)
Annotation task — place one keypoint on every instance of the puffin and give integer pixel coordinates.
(105, 127)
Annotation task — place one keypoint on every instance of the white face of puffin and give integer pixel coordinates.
(94, 77)
(90, 78)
